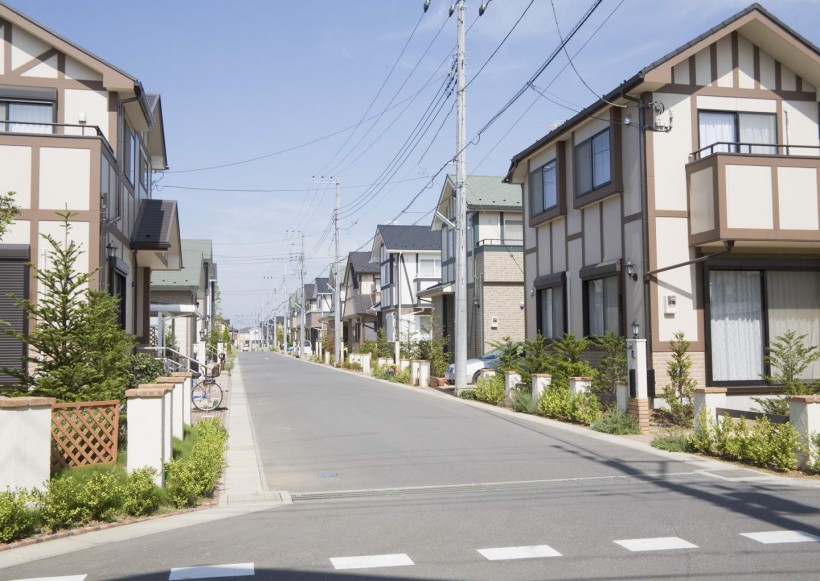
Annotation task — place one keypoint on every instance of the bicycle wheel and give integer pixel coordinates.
(206, 396)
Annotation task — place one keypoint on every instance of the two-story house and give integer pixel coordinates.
(409, 259)
(495, 263)
(362, 290)
(183, 302)
(685, 200)
(78, 134)
(318, 304)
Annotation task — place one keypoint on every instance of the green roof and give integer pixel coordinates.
(194, 254)
(489, 191)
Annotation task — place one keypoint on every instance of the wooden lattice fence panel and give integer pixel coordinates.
(84, 433)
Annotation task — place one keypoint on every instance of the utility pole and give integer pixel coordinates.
(302, 276)
(337, 291)
(461, 208)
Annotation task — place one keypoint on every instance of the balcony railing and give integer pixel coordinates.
(754, 149)
(500, 242)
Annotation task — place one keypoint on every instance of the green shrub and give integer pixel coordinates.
(63, 505)
(788, 357)
(764, 444)
(142, 497)
(814, 455)
(180, 484)
(613, 366)
(559, 403)
(197, 473)
(490, 389)
(522, 402)
(615, 421)
(672, 442)
(19, 515)
(144, 368)
(681, 390)
(103, 495)
(467, 394)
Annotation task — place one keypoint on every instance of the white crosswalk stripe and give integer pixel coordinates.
(371, 561)
(64, 578)
(777, 537)
(655, 544)
(507, 553)
(212, 571)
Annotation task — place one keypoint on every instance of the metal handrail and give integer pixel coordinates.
(500, 242)
(747, 149)
(7, 123)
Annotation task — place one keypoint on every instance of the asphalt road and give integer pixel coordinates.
(423, 486)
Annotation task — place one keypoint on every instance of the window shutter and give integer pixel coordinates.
(13, 277)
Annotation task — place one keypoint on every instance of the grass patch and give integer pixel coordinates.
(673, 442)
(616, 422)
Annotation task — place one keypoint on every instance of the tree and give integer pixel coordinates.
(8, 212)
(613, 366)
(680, 392)
(788, 357)
(77, 350)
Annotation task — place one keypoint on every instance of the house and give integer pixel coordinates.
(183, 302)
(78, 134)
(685, 200)
(409, 258)
(318, 303)
(362, 290)
(495, 263)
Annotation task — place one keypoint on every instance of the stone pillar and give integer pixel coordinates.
(511, 381)
(486, 373)
(382, 361)
(540, 383)
(25, 442)
(146, 428)
(638, 407)
(327, 357)
(365, 360)
(622, 395)
(804, 415)
(404, 364)
(187, 388)
(636, 360)
(176, 407)
(709, 398)
(580, 384)
(424, 373)
(414, 372)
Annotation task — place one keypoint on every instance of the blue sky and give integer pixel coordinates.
(253, 79)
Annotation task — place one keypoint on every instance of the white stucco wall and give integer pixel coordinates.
(15, 173)
(94, 104)
(672, 247)
(65, 176)
(749, 196)
(797, 196)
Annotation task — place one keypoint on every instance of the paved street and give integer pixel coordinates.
(390, 482)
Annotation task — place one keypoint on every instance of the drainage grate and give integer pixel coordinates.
(477, 488)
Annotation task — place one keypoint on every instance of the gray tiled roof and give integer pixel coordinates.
(189, 276)
(360, 263)
(489, 191)
(398, 237)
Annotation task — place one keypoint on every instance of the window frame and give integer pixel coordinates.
(590, 141)
(615, 183)
(537, 214)
(735, 147)
(588, 275)
(550, 283)
(6, 122)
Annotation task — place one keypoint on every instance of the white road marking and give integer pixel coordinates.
(65, 578)
(371, 561)
(505, 553)
(775, 537)
(656, 544)
(212, 571)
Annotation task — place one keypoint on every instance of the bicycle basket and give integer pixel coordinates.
(212, 372)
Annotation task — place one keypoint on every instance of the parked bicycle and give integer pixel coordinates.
(207, 393)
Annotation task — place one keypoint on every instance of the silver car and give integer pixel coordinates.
(474, 366)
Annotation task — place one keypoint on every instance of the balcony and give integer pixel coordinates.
(763, 196)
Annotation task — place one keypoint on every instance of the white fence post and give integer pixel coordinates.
(511, 381)
(622, 395)
(365, 358)
(25, 433)
(176, 407)
(540, 383)
(804, 415)
(187, 388)
(424, 373)
(327, 357)
(403, 364)
(414, 371)
(710, 398)
(580, 384)
(147, 431)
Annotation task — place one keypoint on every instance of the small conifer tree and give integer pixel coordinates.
(679, 394)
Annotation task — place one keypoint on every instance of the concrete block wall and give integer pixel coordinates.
(500, 266)
(504, 302)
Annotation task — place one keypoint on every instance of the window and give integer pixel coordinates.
(592, 163)
(119, 290)
(386, 263)
(602, 306)
(145, 172)
(737, 132)
(544, 188)
(513, 230)
(748, 309)
(26, 117)
(429, 268)
(550, 314)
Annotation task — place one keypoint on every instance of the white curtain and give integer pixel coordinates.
(716, 128)
(736, 324)
(30, 113)
(793, 300)
(611, 311)
(758, 128)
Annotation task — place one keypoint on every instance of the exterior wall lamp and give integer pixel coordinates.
(636, 329)
(202, 333)
(111, 251)
(630, 269)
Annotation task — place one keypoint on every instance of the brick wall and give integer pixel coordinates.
(497, 266)
(698, 371)
(504, 302)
